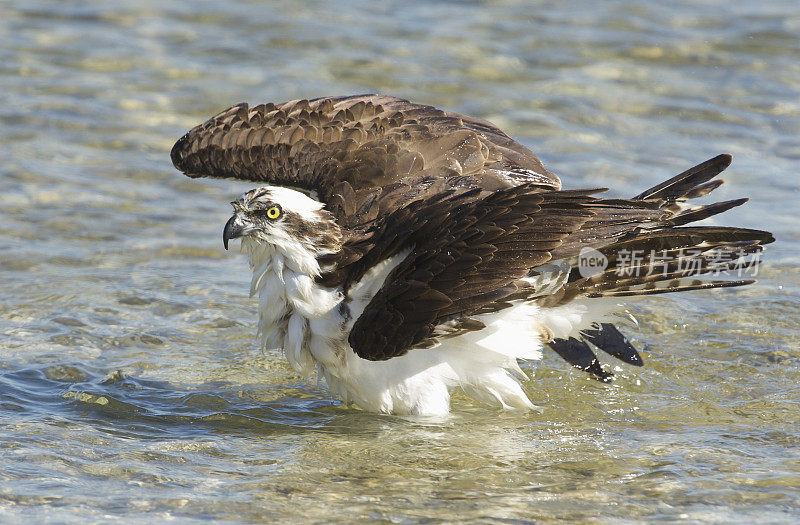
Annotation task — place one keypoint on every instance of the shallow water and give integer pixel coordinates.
(131, 384)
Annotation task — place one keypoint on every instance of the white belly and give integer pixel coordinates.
(482, 364)
(308, 322)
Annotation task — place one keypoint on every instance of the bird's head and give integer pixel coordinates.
(282, 220)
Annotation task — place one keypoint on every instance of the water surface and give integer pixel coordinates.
(131, 383)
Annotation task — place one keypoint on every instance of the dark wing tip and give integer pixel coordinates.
(703, 212)
(184, 151)
(683, 183)
(178, 152)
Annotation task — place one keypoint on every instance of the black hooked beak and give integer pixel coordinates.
(233, 228)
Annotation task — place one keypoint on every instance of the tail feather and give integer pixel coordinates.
(680, 185)
(703, 189)
(687, 237)
(659, 208)
(648, 249)
(665, 261)
(704, 212)
(675, 285)
(652, 226)
(710, 259)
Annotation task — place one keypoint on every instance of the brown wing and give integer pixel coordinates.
(352, 150)
(469, 252)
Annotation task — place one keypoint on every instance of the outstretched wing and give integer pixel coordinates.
(472, 258)
(469, 252)
(353, 150)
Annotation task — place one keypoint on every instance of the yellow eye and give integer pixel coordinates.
(273, 212)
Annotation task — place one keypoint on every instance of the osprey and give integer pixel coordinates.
(403, 252)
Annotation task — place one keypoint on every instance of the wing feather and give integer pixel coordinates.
(364, 142)
(465, 257)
